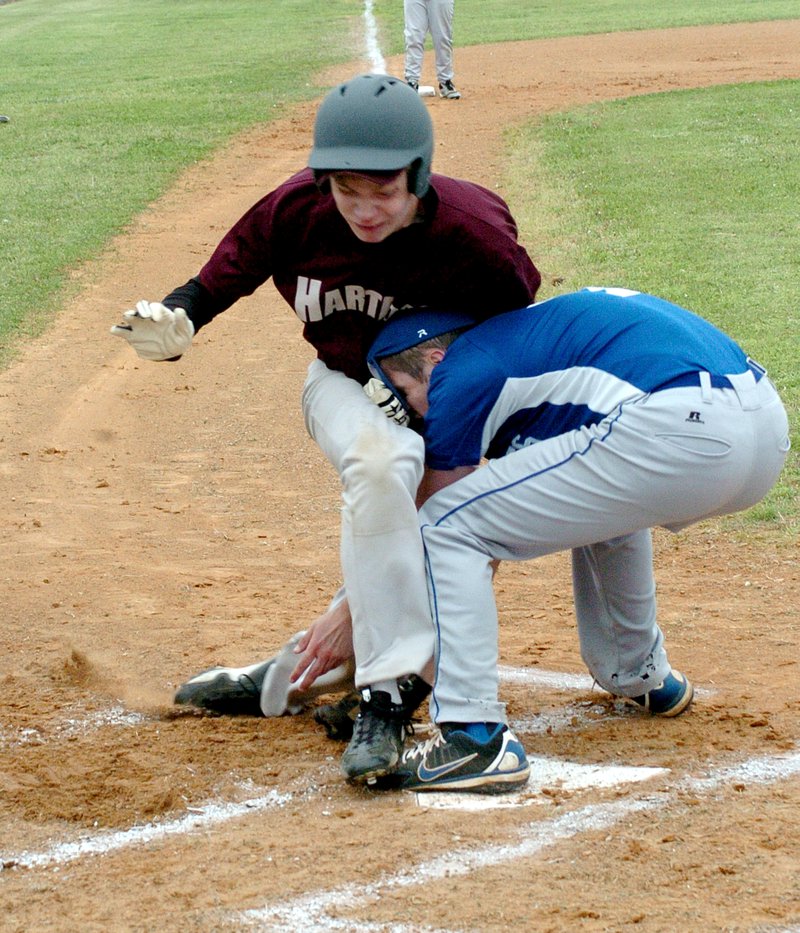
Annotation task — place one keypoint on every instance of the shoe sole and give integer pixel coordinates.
(370, 775)
(369, 778)
(499, 783)
(220, 691)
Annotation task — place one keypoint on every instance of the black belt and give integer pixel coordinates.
(717, 382)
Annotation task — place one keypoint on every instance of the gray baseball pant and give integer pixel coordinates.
(435, 16)
(669, 458)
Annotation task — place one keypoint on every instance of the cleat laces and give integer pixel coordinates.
(420, 752)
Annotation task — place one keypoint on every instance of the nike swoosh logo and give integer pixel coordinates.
(431, 774)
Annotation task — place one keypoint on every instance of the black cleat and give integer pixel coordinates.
(338, 718)
(230, 691)
(379, 734)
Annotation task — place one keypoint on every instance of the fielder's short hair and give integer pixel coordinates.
(410, 361)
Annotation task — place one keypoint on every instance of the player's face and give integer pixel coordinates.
(374, 211)
(415, 390)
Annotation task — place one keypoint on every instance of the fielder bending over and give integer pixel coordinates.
(603, 414)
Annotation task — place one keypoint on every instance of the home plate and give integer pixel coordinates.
(546, 773)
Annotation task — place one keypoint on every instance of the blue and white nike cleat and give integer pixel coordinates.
(454, 760)
(670, 698)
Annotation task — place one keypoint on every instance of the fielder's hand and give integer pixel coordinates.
(155, 331)
(379, 393)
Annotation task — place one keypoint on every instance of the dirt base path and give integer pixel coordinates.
(161, 519)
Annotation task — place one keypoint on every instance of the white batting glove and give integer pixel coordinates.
(379, 393)
(155, 331)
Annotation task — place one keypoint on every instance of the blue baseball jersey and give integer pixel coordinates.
(561, 364)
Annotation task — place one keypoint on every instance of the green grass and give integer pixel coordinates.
(109, 102)
(478, 21)
(690, 195)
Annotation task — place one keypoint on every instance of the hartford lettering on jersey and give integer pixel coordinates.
(311, 305)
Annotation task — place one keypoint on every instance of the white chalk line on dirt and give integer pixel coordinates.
(567, 774)
(549, 772)
(311, 912)
(374, 55)
(103, 843)
(559, 680)
(572, 716)
(556, 680)
(76, 725)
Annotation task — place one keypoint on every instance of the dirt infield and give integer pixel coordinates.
(159, 519)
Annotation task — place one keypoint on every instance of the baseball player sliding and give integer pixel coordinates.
(602, 413)
(365, 230)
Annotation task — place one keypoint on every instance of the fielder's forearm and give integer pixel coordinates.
(434, 480)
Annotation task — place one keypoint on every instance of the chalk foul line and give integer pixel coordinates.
(201, 817)
(317, 912)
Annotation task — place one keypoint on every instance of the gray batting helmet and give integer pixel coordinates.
(374, 123)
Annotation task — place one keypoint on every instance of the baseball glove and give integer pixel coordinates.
(379, 393)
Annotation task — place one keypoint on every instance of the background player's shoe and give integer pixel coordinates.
(379, 732)
(454, 760)
(414, 85)
(670, 698)
(230, 691)
(338, 718)
(448, 90)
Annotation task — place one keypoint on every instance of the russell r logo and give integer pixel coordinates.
(694, 417)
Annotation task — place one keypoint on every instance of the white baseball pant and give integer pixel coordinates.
(380, 465)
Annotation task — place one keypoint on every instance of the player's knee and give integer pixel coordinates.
(383, 457)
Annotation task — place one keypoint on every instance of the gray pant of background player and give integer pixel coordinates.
(669, 459)
(420, 17)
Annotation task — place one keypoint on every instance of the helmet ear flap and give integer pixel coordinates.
(418, 178)
(323, 181)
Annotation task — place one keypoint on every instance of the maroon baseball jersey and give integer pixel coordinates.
(461, 253)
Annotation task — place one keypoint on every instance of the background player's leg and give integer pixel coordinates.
(441, 26)
(416, 29)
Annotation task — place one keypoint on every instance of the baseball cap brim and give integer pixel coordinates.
(409, 328)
